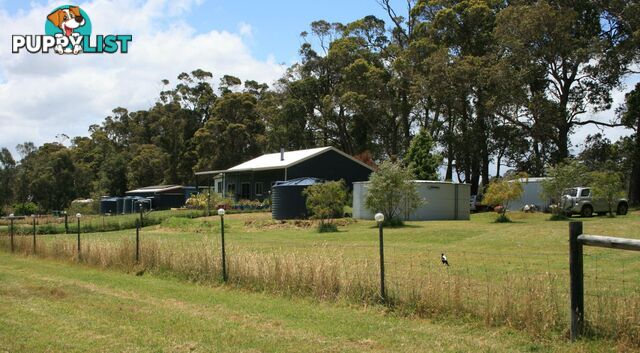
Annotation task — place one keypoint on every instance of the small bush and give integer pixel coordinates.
(502, 218)
(325, 202)
(327, 228)
(393, 222)
(392, 192)
(558, 217)
(25, 209)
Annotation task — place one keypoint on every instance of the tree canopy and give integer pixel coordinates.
(465, 84)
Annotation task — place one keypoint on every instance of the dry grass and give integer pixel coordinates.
(536, 303)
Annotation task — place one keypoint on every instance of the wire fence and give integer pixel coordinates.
(521, 289)
(45, 224)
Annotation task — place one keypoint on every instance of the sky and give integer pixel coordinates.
(43, 96)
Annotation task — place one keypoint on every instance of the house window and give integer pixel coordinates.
(584, 192)
(231, 189)
(219, 187)
(258, 189)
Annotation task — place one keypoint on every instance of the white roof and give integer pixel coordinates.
(274, 160)
(533, 179)
(421, 182)
(155, 188)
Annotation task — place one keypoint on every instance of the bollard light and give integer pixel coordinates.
(11, 231)
(224, 262)
(379, 217)
(78, 215)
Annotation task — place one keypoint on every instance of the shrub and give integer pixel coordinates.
(607, 186)
(561, 177)
(502, 218)
(421, 159)
(326, 201)
(200, 201)
(392, 192)
(501, 191)
(25, 209)
(327, 228)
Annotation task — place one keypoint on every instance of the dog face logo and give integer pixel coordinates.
(71, 22)
(67, 19)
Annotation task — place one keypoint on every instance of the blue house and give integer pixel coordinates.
(253, 179)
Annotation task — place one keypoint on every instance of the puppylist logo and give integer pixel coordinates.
(68, 31)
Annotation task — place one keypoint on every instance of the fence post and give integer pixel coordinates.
(141, 214)
(66, 223)
(224, 262)
(11, 220)
(383, 293)
(34, 233)
(208, 195)
(576, 279)
(79, 254)
(137, 241)
(379, 217)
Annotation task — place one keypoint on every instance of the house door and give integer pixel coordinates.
(245, 192)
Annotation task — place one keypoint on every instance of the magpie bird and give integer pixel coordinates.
(443, 258)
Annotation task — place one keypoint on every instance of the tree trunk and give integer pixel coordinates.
(449, 175)
(563, 143)
(475, 175)
(634, 187)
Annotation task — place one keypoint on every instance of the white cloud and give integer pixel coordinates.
(245, 29)
(44, 95)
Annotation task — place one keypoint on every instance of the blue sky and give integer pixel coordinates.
(276, 25)
(43, 96)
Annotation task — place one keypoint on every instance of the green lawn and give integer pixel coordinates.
(513, 275)
(48, 306)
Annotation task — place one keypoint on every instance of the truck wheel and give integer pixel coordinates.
(587, 211)
(622, 209)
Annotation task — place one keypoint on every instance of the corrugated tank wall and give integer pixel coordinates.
(442, 201)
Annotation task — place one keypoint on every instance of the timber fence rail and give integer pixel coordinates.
(625, 302)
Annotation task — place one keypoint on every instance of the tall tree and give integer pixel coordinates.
(421, 158)
(7, 177)
(562, 44)
(630, 116)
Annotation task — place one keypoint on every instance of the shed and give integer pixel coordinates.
(287, 200)
(532, 195)
(443, 201)
(163, 197)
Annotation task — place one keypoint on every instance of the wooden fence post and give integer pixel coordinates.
(577, 280)
(383, 292)
(137, 241)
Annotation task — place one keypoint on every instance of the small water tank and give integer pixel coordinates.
(108, 205)
(287, 200)
(119, 205)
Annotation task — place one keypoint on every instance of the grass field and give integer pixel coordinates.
(48, 306)
(513, 275)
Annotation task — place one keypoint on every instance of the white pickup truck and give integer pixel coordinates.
(579, 201)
